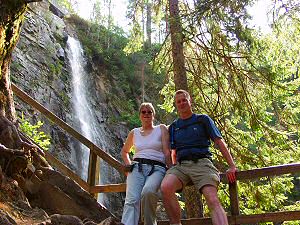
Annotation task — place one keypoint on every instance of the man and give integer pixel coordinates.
(190, 137)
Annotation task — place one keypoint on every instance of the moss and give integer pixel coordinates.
(55, 70)
(11, 17)
(65, 98)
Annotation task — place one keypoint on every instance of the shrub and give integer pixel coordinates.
(33, 131)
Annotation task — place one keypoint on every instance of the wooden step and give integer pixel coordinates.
(244, 219)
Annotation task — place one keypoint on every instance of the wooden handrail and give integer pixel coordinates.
(66, 171)
(98, 151)
(241, 176)
(108, 188)
(57, 164)
(264, 172)
(235, 218)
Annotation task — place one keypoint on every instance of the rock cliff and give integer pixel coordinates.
(41, 68)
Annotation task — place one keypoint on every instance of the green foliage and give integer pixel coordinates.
(167, 92)
(55, 69)
(132, 152)
(33, 131)
(65, 98)
(132, 120)
(109, 55)
(250, 87)
(48, 17)
(65, 4)
(135, 44)
(99, 41)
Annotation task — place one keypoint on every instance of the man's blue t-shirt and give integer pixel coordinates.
(192, 135)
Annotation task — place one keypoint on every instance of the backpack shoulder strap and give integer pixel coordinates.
(172, 128)
(200, 120)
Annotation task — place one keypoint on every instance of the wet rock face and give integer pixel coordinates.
(40, 67)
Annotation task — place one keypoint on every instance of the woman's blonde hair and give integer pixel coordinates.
(147, 105)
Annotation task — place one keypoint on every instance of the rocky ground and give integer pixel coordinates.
(15, 208)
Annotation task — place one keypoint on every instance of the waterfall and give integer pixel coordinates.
(89, 118)
(81, 106)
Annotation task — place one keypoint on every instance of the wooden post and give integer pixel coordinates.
(94, 170)
(234, 201)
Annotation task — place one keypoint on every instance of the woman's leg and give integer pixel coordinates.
(150, 195)
(131, 211)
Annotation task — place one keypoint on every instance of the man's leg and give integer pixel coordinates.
(217, 212)
(169, 186)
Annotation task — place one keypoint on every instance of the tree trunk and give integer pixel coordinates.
(143, 80)
(148, 24)
(193, 201)
(109, 24)
(180, 78)
(12, 147)
(11, 17)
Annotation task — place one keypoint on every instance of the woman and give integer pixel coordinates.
(148, 167)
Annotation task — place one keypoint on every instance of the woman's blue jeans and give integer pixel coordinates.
(142, 188)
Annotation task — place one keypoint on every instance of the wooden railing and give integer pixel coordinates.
(93, 188)
(91, 185)
(235, 217)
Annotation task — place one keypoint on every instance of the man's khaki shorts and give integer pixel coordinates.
(201, 173)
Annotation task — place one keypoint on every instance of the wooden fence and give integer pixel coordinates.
(92, 187)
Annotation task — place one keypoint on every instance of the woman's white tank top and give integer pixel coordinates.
(149, 146)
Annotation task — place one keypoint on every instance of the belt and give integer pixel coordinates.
(148, 162)
(194, 157)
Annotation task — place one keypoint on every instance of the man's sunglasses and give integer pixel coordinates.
(148, 112)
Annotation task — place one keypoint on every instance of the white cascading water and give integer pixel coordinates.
(89, 121)
(81, 106)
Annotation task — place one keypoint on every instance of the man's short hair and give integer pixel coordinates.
(181, 91)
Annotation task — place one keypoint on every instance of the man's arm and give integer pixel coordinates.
(230, 173)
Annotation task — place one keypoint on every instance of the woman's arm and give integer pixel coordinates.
(126, 148)
(166, 144)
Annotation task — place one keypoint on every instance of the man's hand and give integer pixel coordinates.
(230, 174)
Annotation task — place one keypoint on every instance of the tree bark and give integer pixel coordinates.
(193, 201)
(12, 148)
(11, 18)
(148, 24)
(109, 23)
(179, 70)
